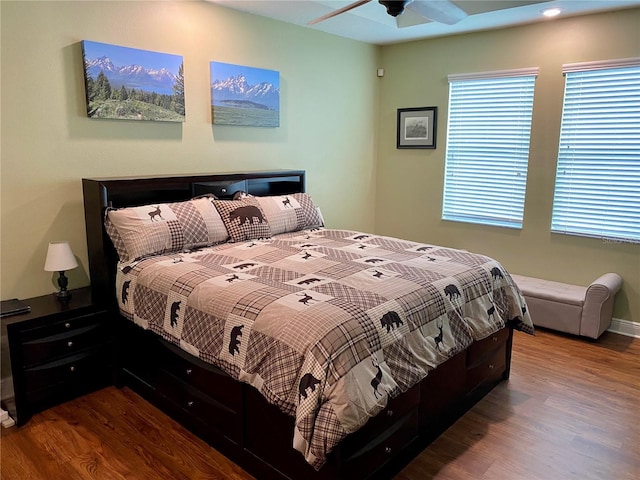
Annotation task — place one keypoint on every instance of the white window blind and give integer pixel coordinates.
(597, 191)
(487, 152)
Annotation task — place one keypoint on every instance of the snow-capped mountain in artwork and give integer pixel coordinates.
(237, 89)
(132, 76)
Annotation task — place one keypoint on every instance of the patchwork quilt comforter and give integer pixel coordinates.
(326, 324)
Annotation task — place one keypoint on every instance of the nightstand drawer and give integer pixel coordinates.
(61, 327)
(67, 369)
(68, 342)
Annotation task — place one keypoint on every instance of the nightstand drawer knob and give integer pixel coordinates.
(69, 343)
(387, 450)
(495, 338)
(190, 403)
(389, 413)
(188, 371)
(491, 366)
(67, 325)
(72, 368)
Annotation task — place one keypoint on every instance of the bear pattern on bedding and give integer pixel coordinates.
(326, 324)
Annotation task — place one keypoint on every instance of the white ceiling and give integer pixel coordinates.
(370, 23)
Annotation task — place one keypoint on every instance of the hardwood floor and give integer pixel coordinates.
(571, 410)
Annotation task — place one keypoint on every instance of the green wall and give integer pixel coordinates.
(410, 182)
(338, 122)
(329, 94)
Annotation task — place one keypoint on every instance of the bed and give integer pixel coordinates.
(297, 350)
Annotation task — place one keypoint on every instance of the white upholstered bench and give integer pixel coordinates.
(584, 311)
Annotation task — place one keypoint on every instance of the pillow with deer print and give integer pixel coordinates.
(164, 228)
(290, 213)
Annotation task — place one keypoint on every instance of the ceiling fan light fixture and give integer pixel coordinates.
(442, 11)
(394, 8)
(551, 12)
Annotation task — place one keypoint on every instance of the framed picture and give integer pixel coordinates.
(243, 95)
(417, 127)
(130, 84)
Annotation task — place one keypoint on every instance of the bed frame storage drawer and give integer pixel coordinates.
(490, 370)
(382, 448)
(487, 360)
(206, 378)
(358, 456)
(395, 409)
(477, 351)
(441, 389)
(202, 393)
(202, 407)
(382, 436)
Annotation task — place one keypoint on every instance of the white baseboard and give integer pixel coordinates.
(625, 327)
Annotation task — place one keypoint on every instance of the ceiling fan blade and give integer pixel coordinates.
(441, 11)
(410, 19)
(338, 11)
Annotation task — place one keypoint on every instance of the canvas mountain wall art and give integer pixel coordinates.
(244, 95)
(131, 84)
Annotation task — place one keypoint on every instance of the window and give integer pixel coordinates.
(597, 191)
(488, 147)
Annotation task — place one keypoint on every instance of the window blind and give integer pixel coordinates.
(487, 151)
(597, 191)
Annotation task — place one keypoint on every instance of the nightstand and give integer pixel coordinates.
(55, 352)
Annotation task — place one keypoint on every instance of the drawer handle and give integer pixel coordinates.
(69, 343)
(188, 371)
(389, 413)
(495, 338)
(491, 366)
(67, 325)
(190, 403)
(387, 450)
(72, 368)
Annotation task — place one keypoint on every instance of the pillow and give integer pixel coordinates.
(290, 213)
(239, 195)
(244, 219)
(164, 228)
(210, 196)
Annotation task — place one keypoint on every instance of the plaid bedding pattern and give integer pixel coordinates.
(326, 324)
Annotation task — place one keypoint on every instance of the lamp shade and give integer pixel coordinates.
(59, 257)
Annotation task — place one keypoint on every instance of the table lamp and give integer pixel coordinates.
(59, 259)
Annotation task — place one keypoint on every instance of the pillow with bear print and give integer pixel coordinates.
(244, 219)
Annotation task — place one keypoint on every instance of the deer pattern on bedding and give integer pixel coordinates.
(326, 324)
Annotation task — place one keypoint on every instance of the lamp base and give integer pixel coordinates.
(63, 295)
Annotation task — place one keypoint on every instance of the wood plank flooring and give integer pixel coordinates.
(571, 410)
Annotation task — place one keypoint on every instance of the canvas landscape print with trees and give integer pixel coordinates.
(131, 84)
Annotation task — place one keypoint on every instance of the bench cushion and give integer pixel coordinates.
(551, 291)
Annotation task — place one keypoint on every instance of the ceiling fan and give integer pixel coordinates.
(441, 11)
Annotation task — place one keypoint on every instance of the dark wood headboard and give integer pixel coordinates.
(102, 193)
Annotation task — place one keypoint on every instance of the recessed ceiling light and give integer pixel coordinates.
(551, 12)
